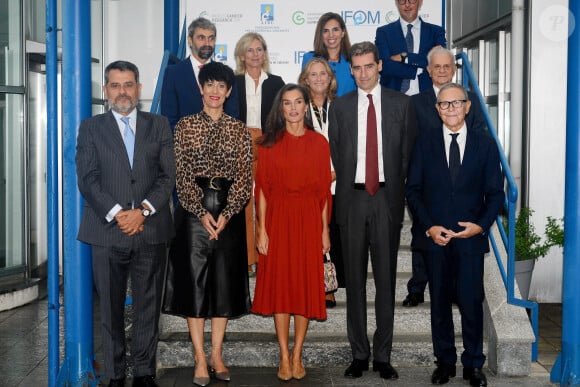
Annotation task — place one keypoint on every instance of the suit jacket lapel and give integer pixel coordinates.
(440, 154)
(143, 124)
(115, 139)
(468, 157)
(353, 129)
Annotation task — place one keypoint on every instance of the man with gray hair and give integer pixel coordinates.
(455, 191)
(441, 69)
(180, 94)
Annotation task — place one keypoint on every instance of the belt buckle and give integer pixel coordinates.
(212, 185)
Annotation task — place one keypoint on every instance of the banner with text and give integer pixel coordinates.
(288, 26)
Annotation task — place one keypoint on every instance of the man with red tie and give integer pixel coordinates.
(371, 131)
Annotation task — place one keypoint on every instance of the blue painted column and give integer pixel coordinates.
(52, 189)
(77, 368)
(566, 370)
(171, 26)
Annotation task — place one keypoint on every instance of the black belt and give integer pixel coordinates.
(361, 186)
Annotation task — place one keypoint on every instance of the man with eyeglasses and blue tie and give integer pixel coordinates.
(403, 47)
(126, 173)
(455, 191)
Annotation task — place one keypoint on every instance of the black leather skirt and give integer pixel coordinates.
(207, 278)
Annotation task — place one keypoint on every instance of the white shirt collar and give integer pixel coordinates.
(376, 91)
(416, 24)
(461, 131)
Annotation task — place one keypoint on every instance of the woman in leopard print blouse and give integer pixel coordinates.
(210, 279)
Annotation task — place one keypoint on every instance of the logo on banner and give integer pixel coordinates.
(221, 53)
(298, 18)
(267, 13)
(361, 17)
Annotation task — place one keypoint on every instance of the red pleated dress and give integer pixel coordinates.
(294, 176)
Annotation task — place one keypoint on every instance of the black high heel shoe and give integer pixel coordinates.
(224, 376)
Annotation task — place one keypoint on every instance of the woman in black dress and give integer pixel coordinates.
(210, 280)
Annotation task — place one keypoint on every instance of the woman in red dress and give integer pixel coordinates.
(292, 200)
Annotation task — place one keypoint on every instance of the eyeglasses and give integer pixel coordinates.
(402, 2)
(444, 105)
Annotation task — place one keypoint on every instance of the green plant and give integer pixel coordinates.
(529, 244)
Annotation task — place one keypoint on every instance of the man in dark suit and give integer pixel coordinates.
(126, 173)
(441, 69)
(455, 191)
(180, 93)
(403, 47)
(371, 131)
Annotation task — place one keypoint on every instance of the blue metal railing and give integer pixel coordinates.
(168, 58)
(508, 238)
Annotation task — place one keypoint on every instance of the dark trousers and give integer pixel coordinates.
(336, 246)
(456, 275)
(419, 278)
(112, 266)
(368, 228)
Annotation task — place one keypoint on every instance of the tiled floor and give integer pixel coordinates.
(24, 338)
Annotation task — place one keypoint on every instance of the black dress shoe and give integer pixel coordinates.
(413, 299)
(442, 373)
(476, 377)
(356, 368)
(117, 382)
(144, 381)
(386, 370)
(330, 304)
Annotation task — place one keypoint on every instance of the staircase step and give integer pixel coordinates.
(261, 350)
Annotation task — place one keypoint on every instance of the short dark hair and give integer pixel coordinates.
(202, 23)
(216, 71)
(121, 65)
(364, 48)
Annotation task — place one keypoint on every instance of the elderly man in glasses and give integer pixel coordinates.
(403, 46)
(441, 69)
(455, 191)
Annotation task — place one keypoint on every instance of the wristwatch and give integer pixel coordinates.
(403, 57)
(145, 212)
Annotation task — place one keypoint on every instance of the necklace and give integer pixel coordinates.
(320, 112)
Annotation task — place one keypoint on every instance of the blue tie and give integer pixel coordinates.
(410, 46)
(128, 139)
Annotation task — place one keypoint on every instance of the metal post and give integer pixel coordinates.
(77, 368)
(171, 26)
(566, 370)
(52, 188)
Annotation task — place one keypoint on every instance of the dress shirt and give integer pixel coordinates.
(363, 106)
(460, 141)
(416, 31)
(195, 64)
(254, 100)
(133, 124)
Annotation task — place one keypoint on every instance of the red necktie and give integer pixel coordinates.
(372, 152)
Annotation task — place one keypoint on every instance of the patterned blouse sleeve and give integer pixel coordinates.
(242, 171)
(188, 191)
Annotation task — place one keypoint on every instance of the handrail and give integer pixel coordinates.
(168, 58)
(508, 238)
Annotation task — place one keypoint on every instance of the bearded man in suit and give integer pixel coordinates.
(126, 173)
(371, 131)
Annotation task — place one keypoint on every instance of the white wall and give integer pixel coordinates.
(548, 134)
(134, 31)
